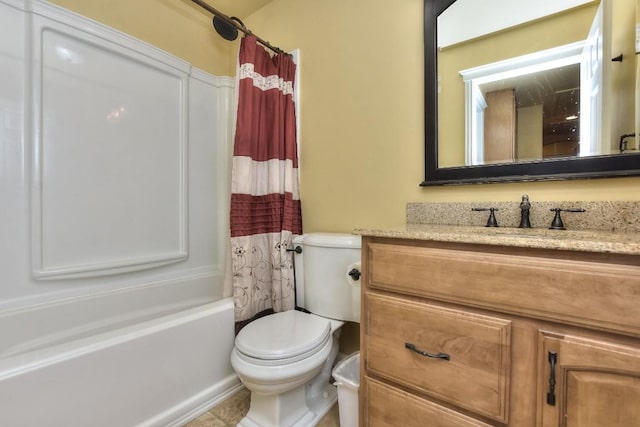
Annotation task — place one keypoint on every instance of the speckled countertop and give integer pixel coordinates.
(627, 243)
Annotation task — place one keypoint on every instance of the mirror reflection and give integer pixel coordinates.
(538, 83)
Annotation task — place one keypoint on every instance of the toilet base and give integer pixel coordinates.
(289, 409)
(321, 406)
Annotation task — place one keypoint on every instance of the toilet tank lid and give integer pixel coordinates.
(330, 240)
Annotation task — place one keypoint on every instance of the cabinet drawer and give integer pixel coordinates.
(476, 376)
(565, 290)
(388, 406)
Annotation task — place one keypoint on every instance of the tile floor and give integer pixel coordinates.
(229, 412)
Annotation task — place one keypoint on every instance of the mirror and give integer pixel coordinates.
(519, 97)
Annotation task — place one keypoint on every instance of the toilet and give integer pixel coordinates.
(285, 359)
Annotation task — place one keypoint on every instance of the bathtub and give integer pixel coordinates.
(125, 365)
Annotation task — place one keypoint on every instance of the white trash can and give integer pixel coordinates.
(347, 376)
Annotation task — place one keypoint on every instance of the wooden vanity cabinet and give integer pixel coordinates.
(456, 334)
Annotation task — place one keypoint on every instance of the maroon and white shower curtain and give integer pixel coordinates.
(265, 199)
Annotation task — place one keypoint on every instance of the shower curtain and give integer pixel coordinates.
(265, 199)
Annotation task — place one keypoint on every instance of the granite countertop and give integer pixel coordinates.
(627, 243)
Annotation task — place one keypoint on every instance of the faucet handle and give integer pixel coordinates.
(557, 223)
(491, 222)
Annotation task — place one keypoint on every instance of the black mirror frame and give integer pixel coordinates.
(615, 165)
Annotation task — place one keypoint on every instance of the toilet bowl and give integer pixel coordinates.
(276, 358)
(285, 359)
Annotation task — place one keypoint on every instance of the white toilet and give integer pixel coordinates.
(285, 359)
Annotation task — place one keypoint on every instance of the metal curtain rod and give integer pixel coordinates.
(233, 23)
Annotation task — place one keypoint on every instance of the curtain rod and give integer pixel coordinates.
(242, 28)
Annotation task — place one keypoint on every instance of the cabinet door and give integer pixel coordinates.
(597, 383)
(500, 126)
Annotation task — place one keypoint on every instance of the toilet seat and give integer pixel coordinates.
(282, 338)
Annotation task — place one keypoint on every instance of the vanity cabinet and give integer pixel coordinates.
(460, 334)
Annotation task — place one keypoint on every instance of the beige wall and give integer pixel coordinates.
(362, 126)
(361, 102)
(529, 133)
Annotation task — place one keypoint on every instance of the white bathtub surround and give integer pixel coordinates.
(42, 326)
(114, 164)
(106, 170)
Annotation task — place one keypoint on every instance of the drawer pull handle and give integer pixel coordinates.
(412, 347)
(551, 395)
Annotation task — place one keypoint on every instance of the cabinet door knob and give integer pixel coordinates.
(551, 395)
(413, 348)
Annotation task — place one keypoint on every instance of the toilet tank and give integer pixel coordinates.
(323, 285)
